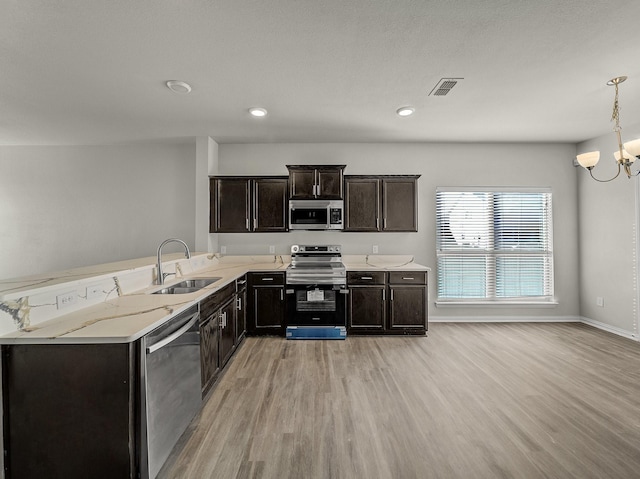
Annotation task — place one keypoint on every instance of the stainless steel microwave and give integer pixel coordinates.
(316, 214)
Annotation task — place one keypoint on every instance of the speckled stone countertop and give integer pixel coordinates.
(132, 314)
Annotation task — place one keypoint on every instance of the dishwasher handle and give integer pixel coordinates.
(169, 339)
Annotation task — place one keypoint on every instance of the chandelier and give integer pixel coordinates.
(626, 153)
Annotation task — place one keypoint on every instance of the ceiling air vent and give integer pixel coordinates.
(444, 86)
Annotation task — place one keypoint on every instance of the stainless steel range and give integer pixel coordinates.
(316, 293)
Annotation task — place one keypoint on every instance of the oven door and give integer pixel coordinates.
(316, 305)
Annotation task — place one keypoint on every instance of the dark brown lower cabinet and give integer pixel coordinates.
(209, 365)
(387, 303)
(70, 410)
(407, 308)
(227, 331)
(217, 333)
(241, 309)
(367, 311)
(266, 296)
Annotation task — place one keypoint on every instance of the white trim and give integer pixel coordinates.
(611, 329)
(636, 254)
(505, 319)
(495, 304)
(537, 319)
(497, 189)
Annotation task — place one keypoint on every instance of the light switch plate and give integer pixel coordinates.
(375, 249)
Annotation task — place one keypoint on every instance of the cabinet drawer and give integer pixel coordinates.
(215, 300)
(267, 279)
(365, 277)
(407, 277)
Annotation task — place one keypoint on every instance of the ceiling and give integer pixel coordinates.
(94, 72)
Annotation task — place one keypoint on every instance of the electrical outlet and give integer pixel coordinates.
(67, 299)
(375, 249)
(600, 301)
(94, 291)
(272, 249)
(223, 250)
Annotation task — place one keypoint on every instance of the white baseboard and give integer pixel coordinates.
(536, 319)
(505, 319)
(611, 329)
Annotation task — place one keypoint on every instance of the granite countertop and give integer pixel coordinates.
(130, 316)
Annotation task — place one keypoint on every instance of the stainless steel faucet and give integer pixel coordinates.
(161, 275)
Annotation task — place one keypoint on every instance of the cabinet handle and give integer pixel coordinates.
(244, 281)
(281, 295)
(377, 223)
(255, 223)
(239, 304)
(247, 223)
(384, 222)
(391, 295)
(267, 279)
(366, 277)
(406, 278)
(384, 295)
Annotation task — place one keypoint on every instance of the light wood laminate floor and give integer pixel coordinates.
(553, 400)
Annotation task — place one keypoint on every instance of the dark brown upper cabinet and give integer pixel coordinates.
(248, 204)
(381, 203)
(308, 182)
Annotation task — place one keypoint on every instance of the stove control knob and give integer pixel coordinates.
(337, 249)
(330, 248)
(294, 248)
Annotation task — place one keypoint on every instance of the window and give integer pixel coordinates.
(494, 245)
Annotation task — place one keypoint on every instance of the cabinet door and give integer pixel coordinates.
(270, 204)
(302, 182)
(329, 181)
(230, 205)
(400, 204)
(268, 307)
(209, 365)
(227, 332)
(362, 204)
(241, 315)
(367, 307)
(69, 410)
(407, 307)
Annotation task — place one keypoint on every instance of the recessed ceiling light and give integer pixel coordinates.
(178, 86)
(258, 112)
(405, 111)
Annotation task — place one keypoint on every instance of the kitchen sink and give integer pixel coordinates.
(187, 286)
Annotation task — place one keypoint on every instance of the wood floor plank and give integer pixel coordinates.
(490, 400)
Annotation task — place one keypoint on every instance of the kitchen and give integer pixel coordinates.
(72, 202)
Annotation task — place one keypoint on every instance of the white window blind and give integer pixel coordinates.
(494, 245)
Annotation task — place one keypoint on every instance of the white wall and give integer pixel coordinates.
(543, 165)
(206, 165)
(608, 218)
(68, 206)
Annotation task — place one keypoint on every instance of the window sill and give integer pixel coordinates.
(496, 304)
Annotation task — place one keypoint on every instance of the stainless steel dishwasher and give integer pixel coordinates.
(171, 390)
